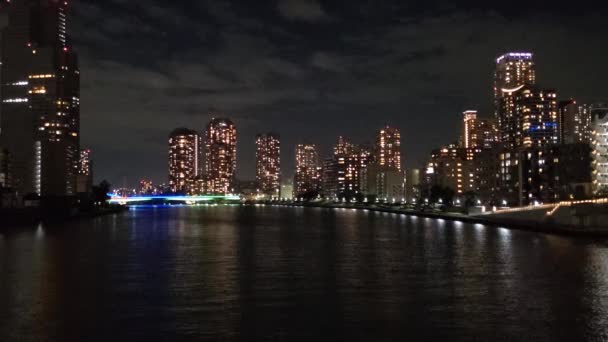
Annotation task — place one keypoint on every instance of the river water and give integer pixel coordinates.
(296, 274)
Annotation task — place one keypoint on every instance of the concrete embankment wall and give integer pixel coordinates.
(581, 216)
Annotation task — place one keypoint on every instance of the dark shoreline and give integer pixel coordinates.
(537, 227)
(28, 217)
(15, 218)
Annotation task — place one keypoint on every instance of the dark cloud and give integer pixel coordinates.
(309, 70)
(307, 10)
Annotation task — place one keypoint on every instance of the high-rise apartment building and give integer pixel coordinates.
(545, 174)
(220, 156)
(184, 159)
(268, 165)
(514, 70)
(453, 167)
(307, 179)
(531, 117)
(477, 132)
(599, 143)
(40, 79)
(343, 171)
(388, 149)
(574, 122)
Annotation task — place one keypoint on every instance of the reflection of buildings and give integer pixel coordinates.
(220, 156)
(40, 83)
(307, 180)
(600, 149)
(268, 165)
(184, 159)
(84, 183)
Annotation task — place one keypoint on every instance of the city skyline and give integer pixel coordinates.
(332, 80)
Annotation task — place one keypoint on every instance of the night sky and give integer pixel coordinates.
(311, 70)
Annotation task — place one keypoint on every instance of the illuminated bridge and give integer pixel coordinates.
(171, 198)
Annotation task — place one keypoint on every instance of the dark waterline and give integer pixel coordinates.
(297, 274)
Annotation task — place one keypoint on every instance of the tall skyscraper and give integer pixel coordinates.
(220, 156)
(40, 79)
(599, 114)
(388, 149)
(514, 70)
(268, 165)
(184, 159)
(532, 117)
(574, 122)
(477, 132)
(307, 180)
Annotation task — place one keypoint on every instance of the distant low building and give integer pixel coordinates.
(249, 190)
(384, 184)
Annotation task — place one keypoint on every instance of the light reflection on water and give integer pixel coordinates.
(297, 274)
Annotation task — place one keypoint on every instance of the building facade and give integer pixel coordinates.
(220, 156)
(530, 117)
(84, 183)
(574, 122)
(184, 159)
(477, 132)
(546, 174)
(514, 70)
(268, 165)
(5, 166)
(413, 181)
(342, 172)
(40, 81)
(599, 144)
(308, 176)
(453, 167)
(388, 149)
